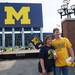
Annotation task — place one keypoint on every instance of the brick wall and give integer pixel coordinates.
(68, 29)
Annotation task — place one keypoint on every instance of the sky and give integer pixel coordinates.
(51, 17)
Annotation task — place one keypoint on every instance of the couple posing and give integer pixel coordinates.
(54, 54)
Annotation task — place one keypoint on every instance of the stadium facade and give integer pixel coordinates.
(19, 22)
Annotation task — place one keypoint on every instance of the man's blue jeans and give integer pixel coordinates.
(61, 70)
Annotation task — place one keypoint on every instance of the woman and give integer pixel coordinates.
(46, 58)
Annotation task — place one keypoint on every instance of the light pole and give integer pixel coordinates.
(65, 10)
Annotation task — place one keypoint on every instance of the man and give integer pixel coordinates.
(64, 51)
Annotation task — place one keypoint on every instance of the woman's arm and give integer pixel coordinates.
(42, 65)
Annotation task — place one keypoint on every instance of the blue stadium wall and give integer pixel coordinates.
(17, 21)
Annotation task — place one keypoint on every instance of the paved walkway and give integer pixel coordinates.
(19, 67)
(22, 67)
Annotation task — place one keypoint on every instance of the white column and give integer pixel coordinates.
(23, 41)
(41, 34)
(32, 30)
(3, 37)
(13, 37)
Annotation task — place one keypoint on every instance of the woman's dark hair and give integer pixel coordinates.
(47, 37)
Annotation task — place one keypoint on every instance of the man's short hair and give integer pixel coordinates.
(55, 29)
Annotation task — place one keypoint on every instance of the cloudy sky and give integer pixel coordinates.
(51, 18)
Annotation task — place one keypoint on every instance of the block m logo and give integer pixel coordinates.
(12, 14)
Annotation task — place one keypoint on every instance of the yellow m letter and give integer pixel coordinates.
(11, 15)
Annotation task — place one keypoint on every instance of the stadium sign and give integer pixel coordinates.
(21, 15)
